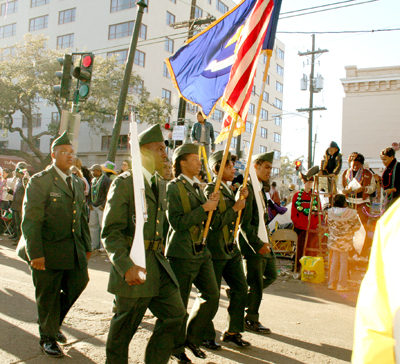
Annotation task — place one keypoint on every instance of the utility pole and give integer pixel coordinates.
(310, 109)
(125, 83)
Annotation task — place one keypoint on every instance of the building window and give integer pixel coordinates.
(263, 149)
(222, 7)
(170, 18)
(120, 30)
(25, 147)
(12, 8)
(278, 121)
(278, 104)
(137, 87)
(174, 1)
(121, 55)
(277, 154)
(266, 96)
(217, 115)
(275, 172)
(264, 114)
(55, 117)
(36, 121)
(247, 144)
(5, 52)
(4, 144)
(264, 133)
(143, 31)
(249, 127)
(117, 5)
(252, 109)
(65, 41)
(146, 10)
(66, 16)
(40, 22)
(253, 91)
(233, 142)
(198, 13)
(35, 3)
(265, 58)
(279, 70)
(209, 1)
(165, 71)
(267, 82)
(193, 109)
(139, 58)
(123, 142)
(277, 138)
(166, 95)
(279, 87)
(281, 54)
(169, 45)
(8, 30)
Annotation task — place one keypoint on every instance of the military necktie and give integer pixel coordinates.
(154, 187)
(69, 183)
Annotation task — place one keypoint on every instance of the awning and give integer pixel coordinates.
(10, 161)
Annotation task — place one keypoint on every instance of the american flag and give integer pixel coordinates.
(236, 97)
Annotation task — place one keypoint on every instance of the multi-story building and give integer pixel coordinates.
(371, 112)
(104, 27)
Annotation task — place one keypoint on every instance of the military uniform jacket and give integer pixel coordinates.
(249, 242)
(216, 240)
(179, 241)
(118, 232)
(54, 224)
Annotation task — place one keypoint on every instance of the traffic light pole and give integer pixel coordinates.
(125, 83)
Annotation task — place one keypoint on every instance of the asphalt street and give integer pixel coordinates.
(309, 323)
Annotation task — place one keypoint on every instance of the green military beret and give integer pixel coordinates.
(61, 140)
(217, 157)
(151, 135)
(267, 157)
(185, 149)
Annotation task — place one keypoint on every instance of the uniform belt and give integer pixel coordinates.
(153, 244)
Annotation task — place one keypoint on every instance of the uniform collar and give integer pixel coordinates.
(62, 174)
(147, 175)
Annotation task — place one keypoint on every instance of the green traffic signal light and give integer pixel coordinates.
(64, 75)
(83, 74)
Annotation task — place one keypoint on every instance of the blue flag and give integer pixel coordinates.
(269, 39)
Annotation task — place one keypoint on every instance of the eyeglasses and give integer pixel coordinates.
(72, 154)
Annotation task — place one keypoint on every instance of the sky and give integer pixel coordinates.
(373, 49)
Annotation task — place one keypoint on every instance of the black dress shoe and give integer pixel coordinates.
(51, 348)
(195, 350)
(60, 337)
(181, 358)
(255, 326)
(234, 338)
(211, 344)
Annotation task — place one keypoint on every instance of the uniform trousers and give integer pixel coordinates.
(56, 291)
(169, 310)
(232, 272)
(260, 272)
(199, 272)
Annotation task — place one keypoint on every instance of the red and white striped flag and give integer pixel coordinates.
(236, 98)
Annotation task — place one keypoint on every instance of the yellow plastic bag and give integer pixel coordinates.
(312, 269)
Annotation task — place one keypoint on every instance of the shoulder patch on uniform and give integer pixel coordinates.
(40, 174)
(125, 174)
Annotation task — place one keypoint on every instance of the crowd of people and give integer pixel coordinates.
(98, 212)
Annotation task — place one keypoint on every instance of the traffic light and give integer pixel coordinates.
(84, 75)
(64, 75)
(297, 165)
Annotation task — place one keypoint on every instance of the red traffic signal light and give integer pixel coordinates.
(297, 165)
(84, 75)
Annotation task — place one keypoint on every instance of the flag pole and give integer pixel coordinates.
(253, 135)
(220, 172)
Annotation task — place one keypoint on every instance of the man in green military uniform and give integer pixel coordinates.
(259, 259)
(56, 242)
(226, 257)
(133, 295)
(189, 257)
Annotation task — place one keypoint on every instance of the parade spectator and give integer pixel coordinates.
(7, 190)
(203, 132)
(86, 174)
(259, 258)
(358, 184)
(125, 166)
(166, 171)
(390, 180)
(331, 164)
(274, 194)
(159, 292)
(18, 197)
(79, 174)
(56, 243)
(343, 222)
(98, 196)
(301, 208)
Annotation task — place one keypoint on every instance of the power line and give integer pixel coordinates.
(317, 7)
(344, 31)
